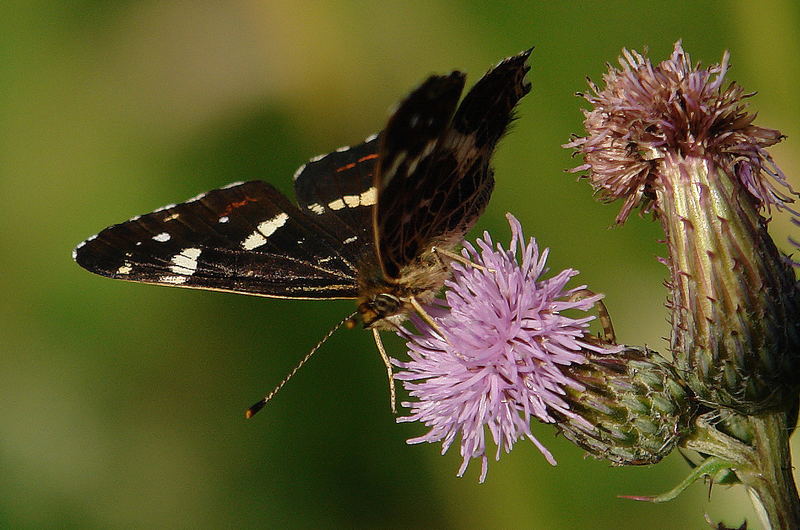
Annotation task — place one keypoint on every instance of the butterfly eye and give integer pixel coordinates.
(378, 307)
(385, 304)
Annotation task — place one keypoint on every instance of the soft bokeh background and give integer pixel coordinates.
(122, 404)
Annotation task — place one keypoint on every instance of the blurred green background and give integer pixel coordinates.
(122, 404)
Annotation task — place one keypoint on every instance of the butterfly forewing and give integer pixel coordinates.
(245, 238)
(444, 183)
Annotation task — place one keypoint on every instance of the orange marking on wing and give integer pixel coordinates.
(368, 157)
(346, 167)
(238, 204)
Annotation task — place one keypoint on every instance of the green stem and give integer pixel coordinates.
(769, 480)
(762, 462)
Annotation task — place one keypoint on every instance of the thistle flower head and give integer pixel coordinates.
(646, 112)
(673, 139)
(494, 359)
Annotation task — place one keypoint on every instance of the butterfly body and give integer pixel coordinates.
(367, 221)
(383, 305)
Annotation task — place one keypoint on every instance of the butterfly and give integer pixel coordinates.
(371, 223)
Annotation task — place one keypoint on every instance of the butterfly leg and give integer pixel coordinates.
(454, 256)
(379, 343)
(432, 323)
(426, 317)
(603, 317)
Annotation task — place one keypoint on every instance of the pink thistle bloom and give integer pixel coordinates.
(648, 114)
(499, 362)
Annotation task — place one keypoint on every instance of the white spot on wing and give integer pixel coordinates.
(369, 197)
(412, 166)
(428, 149)
(224, 219)
(263, 231)
(297, 173)
(232, 185)
(186, 262)
(343, 149)
(370, 138)
(167, 207)
(366, 198)
(125, 269)
(350, 240)
(338, 204)
(390, 172)
(317, 208)
(163, 237)
(426, 152)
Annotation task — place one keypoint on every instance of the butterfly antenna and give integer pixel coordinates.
(249, 413)
(426, 317)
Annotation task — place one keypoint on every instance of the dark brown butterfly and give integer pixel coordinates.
(370, 221)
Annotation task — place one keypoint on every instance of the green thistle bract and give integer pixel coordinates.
(635, 407)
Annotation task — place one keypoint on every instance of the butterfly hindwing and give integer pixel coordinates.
(441, 189)
(337, 190)
(488, 108)
(408, 148)
(481, 120)
(245, 238)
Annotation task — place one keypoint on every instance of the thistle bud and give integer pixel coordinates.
(633, 409)
(673, 140)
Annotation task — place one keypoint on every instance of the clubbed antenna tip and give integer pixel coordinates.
(249, 413)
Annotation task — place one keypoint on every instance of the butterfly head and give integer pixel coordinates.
(377, 310)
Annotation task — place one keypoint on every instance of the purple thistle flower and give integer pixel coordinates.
(647, 114)
(498, 365)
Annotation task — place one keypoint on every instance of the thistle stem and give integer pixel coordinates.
(762, 464)
(769, 479)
